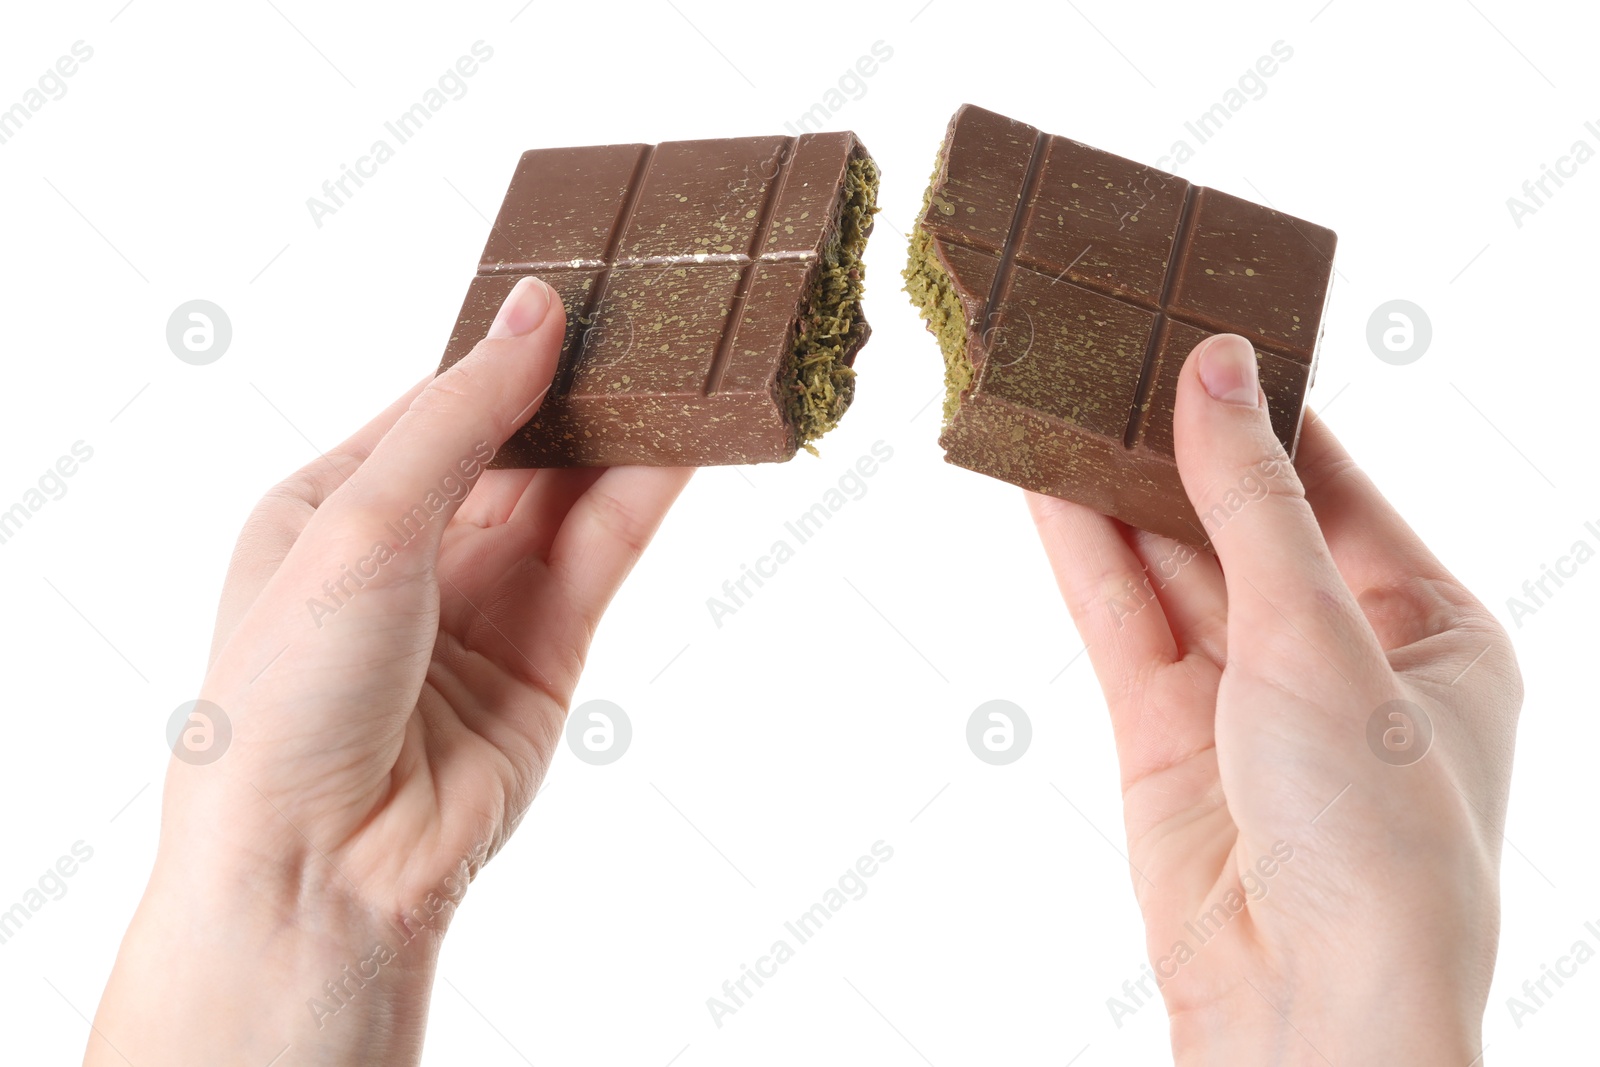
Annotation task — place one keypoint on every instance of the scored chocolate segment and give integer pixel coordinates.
(976, 198)
(1085, 280)
(570, 201)
(972, 274)
(1067, 352)
(1111, 223)
(642, 306)
(1255, 271)
(702, 198)
(764, 326)
(686, 271)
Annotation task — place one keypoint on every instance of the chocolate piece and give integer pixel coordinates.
(712, 290)
(1067, 285)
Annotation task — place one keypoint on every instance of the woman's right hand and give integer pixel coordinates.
(1313, 891)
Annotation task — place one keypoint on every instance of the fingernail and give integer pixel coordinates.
(525, 308)
(1228, 370)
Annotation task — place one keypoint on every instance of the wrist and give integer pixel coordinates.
(220, 967)
(1416, 1022)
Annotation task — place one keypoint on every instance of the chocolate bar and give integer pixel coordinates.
(712, 291)
(1067, 285)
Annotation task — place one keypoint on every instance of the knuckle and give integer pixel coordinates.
(342, 460)
(620, 521)
(1278, 474)
(1330, 473)
(1270, 478)
(297, 490)
(1498, 651)
(448, 392)
(314, 483)
(285, 506)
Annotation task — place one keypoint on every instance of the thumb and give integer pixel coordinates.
(1249, 498)
(420, 472)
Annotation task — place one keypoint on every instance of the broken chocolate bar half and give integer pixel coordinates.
(712, 291)
(1067, 285)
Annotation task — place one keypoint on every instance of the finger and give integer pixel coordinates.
(454, 425)
(544, 507)
(1404, 591)
(1187, 584)
(1102, 582)
(1277, 567)
(495, 496)
(283, 512)
(317, 480)
(1161, 709)
(1354, 516)
(480, 563)
(539, 619)
(607, 529)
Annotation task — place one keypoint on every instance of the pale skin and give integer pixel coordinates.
(379, 751)
(1240, 703)
(383, 750)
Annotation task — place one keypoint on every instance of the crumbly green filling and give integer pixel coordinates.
(930, 289)
(818, 382)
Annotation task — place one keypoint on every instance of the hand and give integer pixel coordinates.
(395, 655)
(1306, 901)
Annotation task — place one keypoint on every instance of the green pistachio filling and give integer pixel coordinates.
(819, 384)
(929, 287)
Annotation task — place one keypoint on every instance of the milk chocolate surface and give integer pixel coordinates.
(712, 292)
(1067, 285)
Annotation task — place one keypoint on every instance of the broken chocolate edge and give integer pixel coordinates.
(817, 379)
(928, 284)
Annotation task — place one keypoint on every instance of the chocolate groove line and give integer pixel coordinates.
(1164, 314)
(689, 259)
(1180, 242)
(1002, 274)
(723, 355)
(641, 171)
(1090, 284)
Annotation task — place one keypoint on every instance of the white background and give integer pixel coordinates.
(829, 712)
